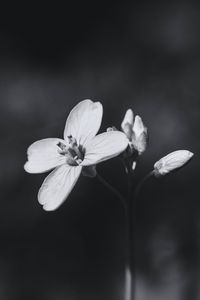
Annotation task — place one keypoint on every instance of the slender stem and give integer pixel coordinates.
(128, 283)
(131, 226)
(129, 262)
(112, 189)
(128, 211)
(130, 277)
(141, 183)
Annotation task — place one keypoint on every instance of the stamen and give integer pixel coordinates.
(63, 148)
(78, 161)
(74, 153)
(75, 148)
(72, 141)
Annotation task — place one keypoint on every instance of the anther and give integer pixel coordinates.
(63, 148)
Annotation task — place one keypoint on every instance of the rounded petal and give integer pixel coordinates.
(44, 155)
(172, 161)
(57, 186)
(104, 146)
(84, 121)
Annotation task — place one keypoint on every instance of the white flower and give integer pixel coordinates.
(171, 162)
(135, 131)
(80, 148)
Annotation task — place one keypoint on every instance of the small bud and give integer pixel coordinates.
(135, 131)
(139, 138)
(127, 123)
(171, 162)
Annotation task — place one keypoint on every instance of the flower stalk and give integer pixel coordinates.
(129, 268)
(112, 189)
(130, 213)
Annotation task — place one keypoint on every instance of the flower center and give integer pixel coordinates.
(74, 152)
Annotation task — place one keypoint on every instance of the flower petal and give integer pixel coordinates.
(84, 121)
(57, 186)
(44, 155)
(104, 146)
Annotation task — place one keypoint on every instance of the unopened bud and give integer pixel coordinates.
(171, 162)
(127, 123)
(135, 131)
(139, 138)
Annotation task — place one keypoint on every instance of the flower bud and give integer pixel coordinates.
(171, 162)
(127, 123)
(135, 131)
(139, 137)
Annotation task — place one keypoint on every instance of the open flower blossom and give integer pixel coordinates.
(135, 131)
(80, 149)
(171, 162)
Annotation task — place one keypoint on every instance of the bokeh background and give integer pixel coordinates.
(144, 55)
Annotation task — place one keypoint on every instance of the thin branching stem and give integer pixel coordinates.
(130, 215)
(129, 230)
(141, 183)
(130, 276)
(112, 189)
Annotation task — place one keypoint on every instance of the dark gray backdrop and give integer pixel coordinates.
(141, 55)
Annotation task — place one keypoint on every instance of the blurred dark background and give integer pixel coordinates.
(144, 55)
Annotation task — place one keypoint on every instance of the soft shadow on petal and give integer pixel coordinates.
(84, 121)
(105, 146)
(43, 156)
(57, 186)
